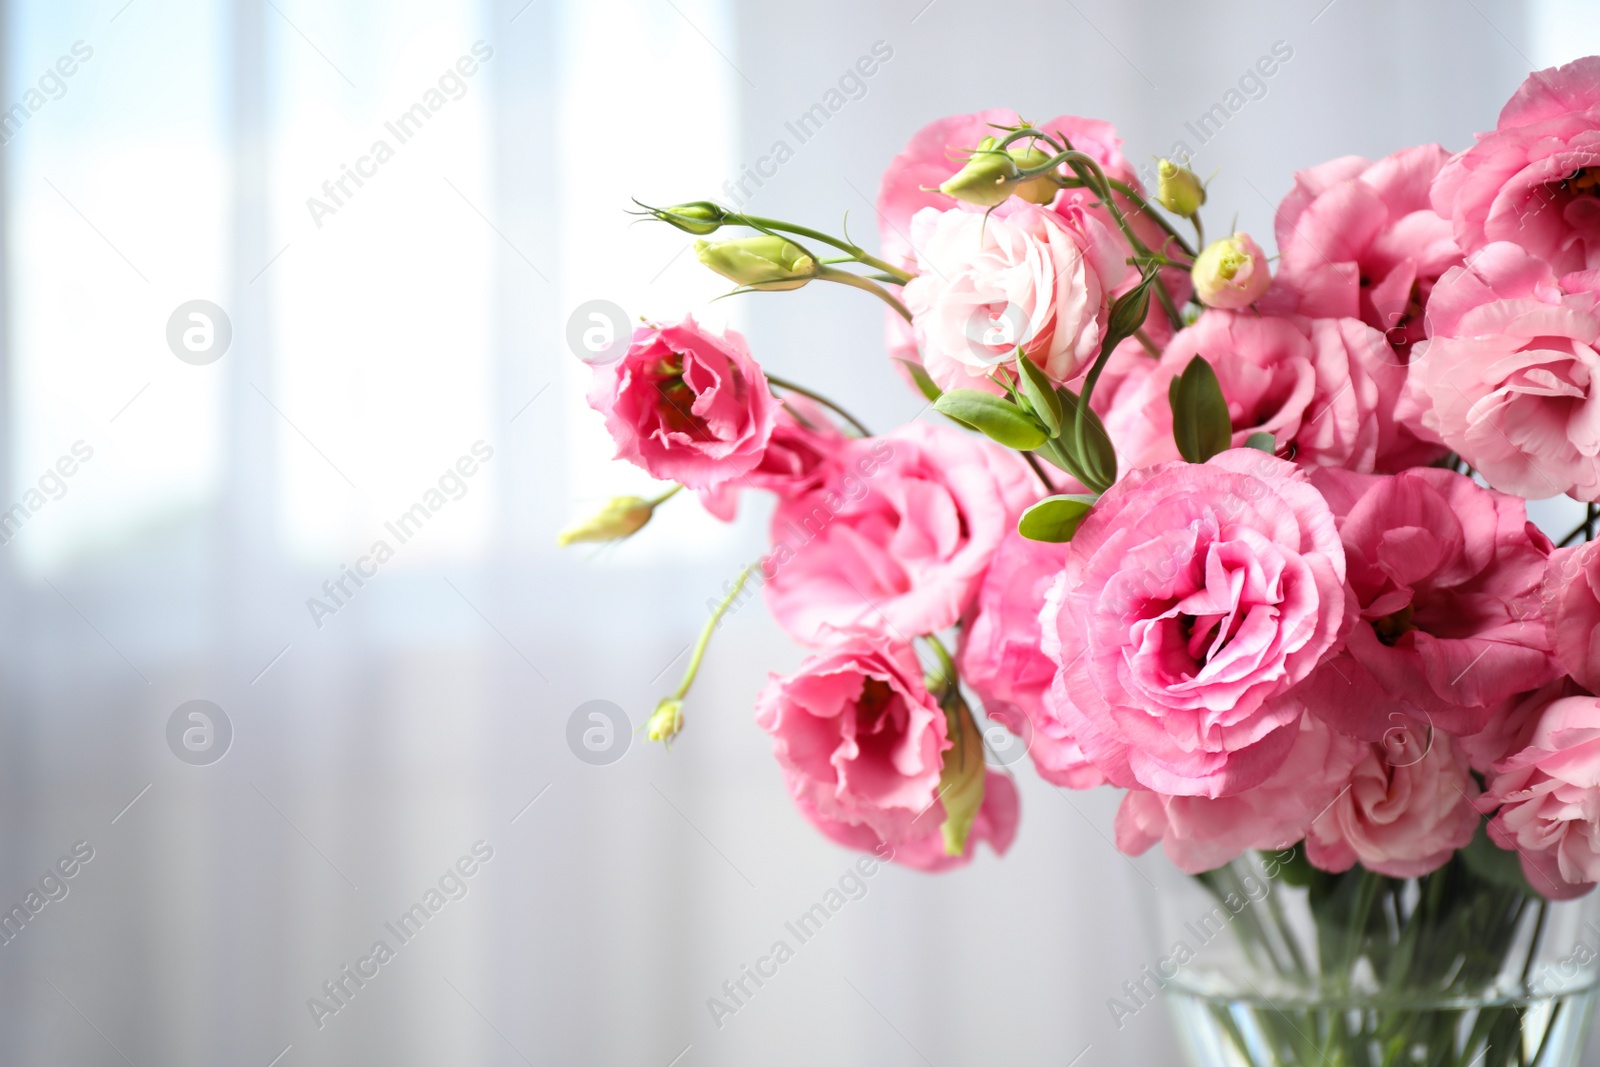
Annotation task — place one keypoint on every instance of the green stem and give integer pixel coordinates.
(855, 252)
(664, 497)
(844, 277)
(710, 628)
(947, 665)
(1033, 461)
(783, 383)
(1149, 345)
(1144, 207)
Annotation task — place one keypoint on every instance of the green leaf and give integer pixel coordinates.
(1090, 445)
(997, 419)
(1200, 421)
(961, 780)
(1055, 518)
(1495, 865)
(1262, 442)
(1041, 395)
(920, 378)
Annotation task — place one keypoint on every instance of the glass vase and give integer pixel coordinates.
(1268, 961)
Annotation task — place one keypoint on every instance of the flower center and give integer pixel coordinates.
(875, 697)
(1585, 181)
(677, 399)
(1390, 628)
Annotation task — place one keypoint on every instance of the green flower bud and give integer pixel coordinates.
(621, 518)
(666, 722)
(766, 262)
(1178, 190)
(700, 217)
(1038, 189)
(988, 178)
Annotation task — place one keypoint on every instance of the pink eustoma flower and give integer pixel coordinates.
(897, 541)
(1546, 800)
(861, 743)
(1028, 277)
(1001, 661)
(1194, 597)
(1532, 180)
(799, 456)
(1446, 577)
(1358, 239)
(686, 404)
(1407, 807)
(1203, 833)
(1325, 389)
(1507, 376)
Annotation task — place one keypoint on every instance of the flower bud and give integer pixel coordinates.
(1039, 189)
(666, 722)
(621, 518)
(1178, 190)
(766, 262)
(988, 178)
(1231, 273)
(700, 217)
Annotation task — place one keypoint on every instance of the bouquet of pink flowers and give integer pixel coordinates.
(1248, 543)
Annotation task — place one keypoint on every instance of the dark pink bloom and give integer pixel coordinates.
(798, 457)
(861, 743)
(686, 405)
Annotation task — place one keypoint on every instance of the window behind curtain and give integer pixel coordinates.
(117, 212)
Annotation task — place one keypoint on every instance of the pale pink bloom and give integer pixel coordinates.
(1194, 597)
(1571, 596)
(1507, 375)
(1509, 731)
(1446, 577)
(911, 181)
(861, 743)
(799, 456)
(1001, 662)
(897, 541)
(1358, 239)
(1548, 800)
(1026, 277)
(1407, 807)
(1324, 389)
(686, 404)
(1531, 180)
(1203, 833)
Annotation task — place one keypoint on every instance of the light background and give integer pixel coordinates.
(428, 313)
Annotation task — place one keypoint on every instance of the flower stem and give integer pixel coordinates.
(854, 251)
(709, 629)
(844, 277)
(783, 383)
(664, 497)
(1033, 461)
